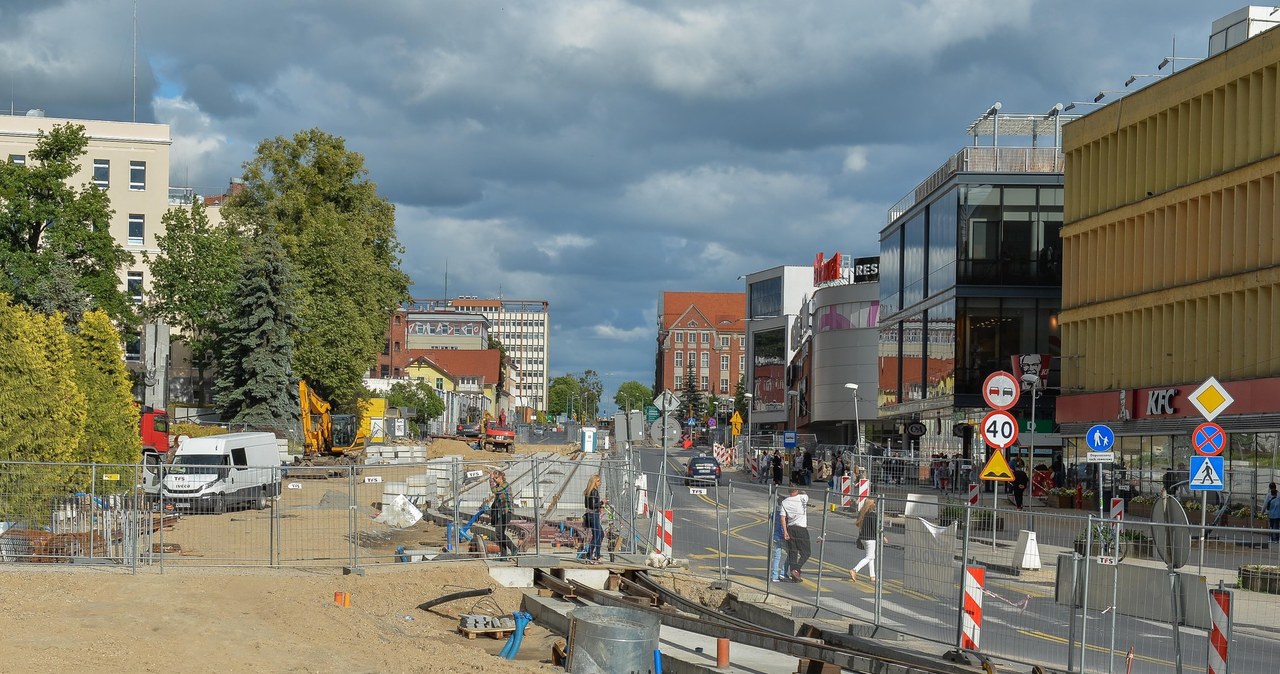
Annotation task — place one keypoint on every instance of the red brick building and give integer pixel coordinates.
(710, 330)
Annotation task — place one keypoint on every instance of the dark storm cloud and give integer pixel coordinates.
(597, 152)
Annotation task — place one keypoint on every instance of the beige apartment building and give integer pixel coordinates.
(127, 159)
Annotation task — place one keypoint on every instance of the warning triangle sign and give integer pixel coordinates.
(1206, 477)
(997, 468)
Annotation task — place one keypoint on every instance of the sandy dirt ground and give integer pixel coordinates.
(189, 618)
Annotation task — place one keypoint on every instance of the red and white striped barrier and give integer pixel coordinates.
(973, 494)
(971, 631)
(864, 491)
(1220, 636)
(1117, 510)
(725, 455)
(846, 491)
(753, 465)
(662, 542)
(642, 495)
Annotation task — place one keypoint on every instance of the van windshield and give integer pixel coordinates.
(199, 464)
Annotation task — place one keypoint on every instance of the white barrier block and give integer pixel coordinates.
(1026, 554)
(922, 505)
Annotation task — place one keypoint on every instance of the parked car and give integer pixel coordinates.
(469, 429)
(702, 470)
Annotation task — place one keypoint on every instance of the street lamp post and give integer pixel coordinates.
(1036, 387)
(750, 400)
(857, 421)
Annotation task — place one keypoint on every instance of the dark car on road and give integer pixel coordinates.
(702, 470)
(469, 429)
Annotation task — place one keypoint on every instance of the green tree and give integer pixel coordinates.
(111, 419)
(632, 395)
(563, 393)
(192, 278)
(255, 385)
(56, 248)
(591, 389)
(424, 400)
(740, 398)
(503, 362)
(339, 235)
(690, 396)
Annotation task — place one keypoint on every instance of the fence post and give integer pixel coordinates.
(880, 508)
(1084, 597)
(537, 505)
(822, 550)
(964, 563)
(272, 530)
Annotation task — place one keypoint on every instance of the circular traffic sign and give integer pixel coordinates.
(1100, 438)
(711, 422)
(1173, 542)
(1001, 390)
(999, 429)
(1209, 439)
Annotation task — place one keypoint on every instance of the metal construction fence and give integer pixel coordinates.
(1058, 588)
(345, 516)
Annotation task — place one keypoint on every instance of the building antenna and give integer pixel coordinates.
(446, 278)
(135, 60)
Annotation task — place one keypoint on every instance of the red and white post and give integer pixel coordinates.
(662, 542)
(975, 578)
(864, 491)
(846, 491)
(1117, 510)
(973, 494)
(1220, 635)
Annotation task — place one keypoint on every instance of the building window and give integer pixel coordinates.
(724, 384)
(679, 338)
(724, 362)
(18, 159)
(439, 383)
(704, 382)
(742, 362)
(386, 372)
(134, 286)
(693, 338)
(724, 341)
(102, 173)
(137, 175)
(133, 348)
(706, 359)
(706, 338)
(679, 381)
(397, 347)
(137, 229)
(679, 359)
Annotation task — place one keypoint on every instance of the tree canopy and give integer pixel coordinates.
(339, 235)
(255, 383)
(56, 249)
(424, 400)
(632, 395)
(192, 278)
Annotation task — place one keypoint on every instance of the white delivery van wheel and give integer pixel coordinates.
(219, 504)
(262, 498)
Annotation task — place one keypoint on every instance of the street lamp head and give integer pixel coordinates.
(1032, 379)
(748, 396)
(851, 385)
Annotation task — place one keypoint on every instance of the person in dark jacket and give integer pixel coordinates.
(595, 506)
(500, 513)
(1020, 482)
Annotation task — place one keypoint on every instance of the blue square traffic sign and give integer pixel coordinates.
(1206, 473)
(788, 439)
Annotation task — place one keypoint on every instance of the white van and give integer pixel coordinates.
(216, 472)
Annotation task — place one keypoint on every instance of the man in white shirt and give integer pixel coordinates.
(796, 533)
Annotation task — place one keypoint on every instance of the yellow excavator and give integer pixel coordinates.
(328, 439)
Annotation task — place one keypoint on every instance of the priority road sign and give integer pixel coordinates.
(1206, 473)
(999, 429)
(1211, 399)
(1209, 439)
(1100, 438)
(1001, 390)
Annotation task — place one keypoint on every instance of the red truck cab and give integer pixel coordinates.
(154, 429)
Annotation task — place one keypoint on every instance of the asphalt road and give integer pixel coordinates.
(726, 532)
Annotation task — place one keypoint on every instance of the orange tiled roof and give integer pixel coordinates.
(483, 363)
(723, 311)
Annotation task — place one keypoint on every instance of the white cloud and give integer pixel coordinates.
(561, 243)
(855, 159)
(716, 193)
(612, 332)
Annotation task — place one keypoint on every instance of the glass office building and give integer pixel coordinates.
(970, 276)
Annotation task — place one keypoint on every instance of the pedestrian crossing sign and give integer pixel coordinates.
(1206, 473)
(997, 468)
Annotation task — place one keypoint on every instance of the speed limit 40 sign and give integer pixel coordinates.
(999, 429)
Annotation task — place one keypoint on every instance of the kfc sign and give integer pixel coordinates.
(1031, 363)
(1160, 401)
(828, 271)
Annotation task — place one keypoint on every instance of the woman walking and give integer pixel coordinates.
(868, 530)
(591, 496)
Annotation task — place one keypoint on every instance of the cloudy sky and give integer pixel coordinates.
(594, 153)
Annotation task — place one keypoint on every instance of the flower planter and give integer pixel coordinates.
(1060, 500)
(1142, 510)
(979, 523)
(1260, 580)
